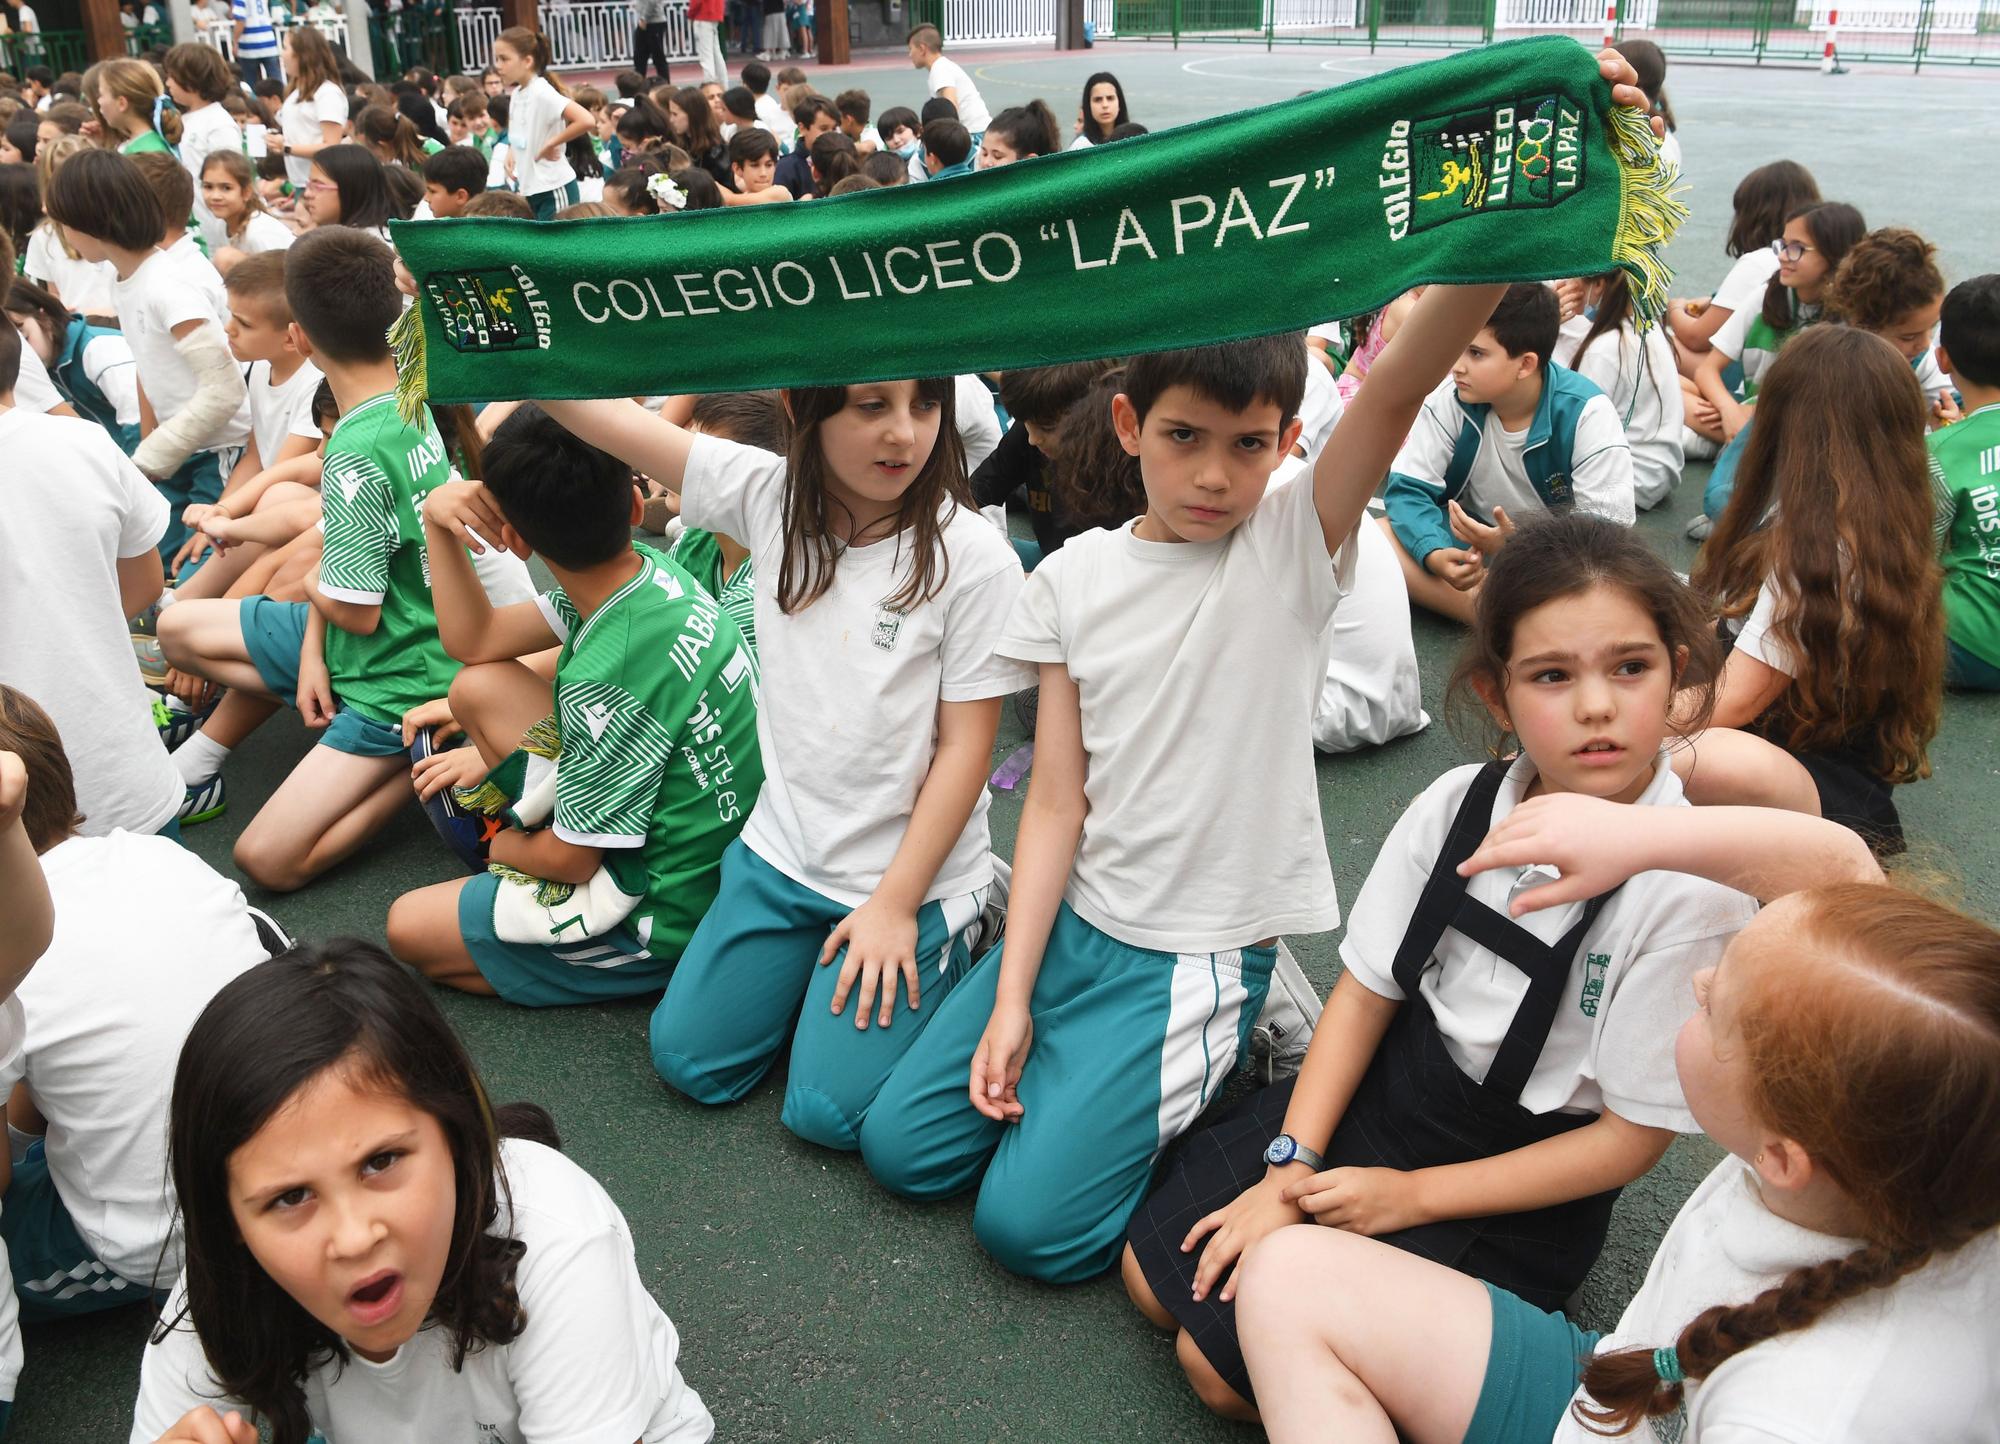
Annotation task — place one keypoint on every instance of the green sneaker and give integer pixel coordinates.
(152, 661)
(204, 803)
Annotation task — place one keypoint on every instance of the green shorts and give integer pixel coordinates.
(1532, 1371)
(616, 964)
(274, 633)
(56, 1273)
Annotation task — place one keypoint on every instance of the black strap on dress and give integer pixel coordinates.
(1445, 904)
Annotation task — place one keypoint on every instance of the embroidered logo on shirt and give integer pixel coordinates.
(597, 717)
(1595, 966)
(888, 623)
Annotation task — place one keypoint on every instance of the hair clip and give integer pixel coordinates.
(662, 188)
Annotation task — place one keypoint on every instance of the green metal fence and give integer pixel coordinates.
(60, 50)
(1907, 32)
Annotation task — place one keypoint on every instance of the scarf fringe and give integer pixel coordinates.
(406, 346)
(1649, 210)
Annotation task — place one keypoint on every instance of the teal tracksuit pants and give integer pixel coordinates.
(752, 968)
(1130, 1045)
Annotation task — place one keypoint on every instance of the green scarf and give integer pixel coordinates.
(1502, 164)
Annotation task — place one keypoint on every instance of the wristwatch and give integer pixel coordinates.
(1286, 1149)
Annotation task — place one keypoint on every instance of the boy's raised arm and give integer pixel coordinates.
(1371, 431)
(630, 432)
(471, 628)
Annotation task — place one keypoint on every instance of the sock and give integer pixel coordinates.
(199, 758)
(167, 598)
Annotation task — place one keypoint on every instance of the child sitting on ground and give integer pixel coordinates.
(1604, 345)
(1965, 467)
(654, 702)
(370, 599)
(854, 107)
(753, 162)
(1889, 283)
(145, 934)
(1037, 398)
(1508, 434)
(90, 366)
(172, 312)
(721, 564)
(947, 150)
(244, 223)
(452, 177)
(1833, 1278)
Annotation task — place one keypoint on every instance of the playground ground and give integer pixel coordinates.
(812, 1306)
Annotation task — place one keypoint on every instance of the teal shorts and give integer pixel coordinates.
(56, 1273)
(274, 633)
(1532, 1371)
(1969, 672)
(537, 975)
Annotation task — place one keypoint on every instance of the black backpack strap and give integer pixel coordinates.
(1438, 905)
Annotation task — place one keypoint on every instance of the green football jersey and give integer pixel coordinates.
(378, 470)
(1966, 470)
(656, 697)
(700, 556)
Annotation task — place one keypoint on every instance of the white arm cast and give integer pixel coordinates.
(218, 392)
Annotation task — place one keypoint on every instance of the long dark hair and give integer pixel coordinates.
(1564, 555)
(1098, 135)
(356, 173)
(812, 546)
(704, 137)
(1763, 201)
(1834, 227)
(1095, 479)
(265, 1036)
(1833, 506)
(1614, 309)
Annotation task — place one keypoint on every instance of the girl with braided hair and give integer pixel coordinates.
(1836, 1278)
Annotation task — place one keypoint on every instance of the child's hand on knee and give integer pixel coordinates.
(1367, 1201)
(997, 1063)
(315, 695)
(881, 941)
(1260, 1209)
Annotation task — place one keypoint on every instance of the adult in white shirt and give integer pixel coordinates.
(947, 80)
(355, 1198)
(80, 534)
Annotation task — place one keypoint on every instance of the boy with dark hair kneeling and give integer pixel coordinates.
(1507, 433)
(653, 763)
(363, 649)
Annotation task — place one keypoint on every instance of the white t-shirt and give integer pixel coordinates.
(595, 1361)
(1612, 1043)
(203, 132)
(282, 411)
(1639, 375)
(107, 364)
(978, 423)
(68, 520)
(262, 231)
(1319, 410)
(847, 718)
(1755, 640)
(536, 117)
(34, 389)
(1742, 290)
(772, 116)
(83, 286)
(300, 120)
(146, 933)
(12, 1029)
(1197, 665)
(1371, 692)
(947, 74)
(167, 289)
(1914, 1361)
(1082, 142)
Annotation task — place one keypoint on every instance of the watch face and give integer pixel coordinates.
(1280, 1150)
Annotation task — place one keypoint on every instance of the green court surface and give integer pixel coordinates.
(811, 1305)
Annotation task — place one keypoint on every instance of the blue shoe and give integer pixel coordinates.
(204, 803)
(468, 834)
(176, 724)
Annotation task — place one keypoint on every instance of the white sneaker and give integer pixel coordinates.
(992, 925)
(1696, 447)
(1285, 1027)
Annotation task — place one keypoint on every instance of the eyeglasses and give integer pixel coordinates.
(321, 186)
(1793, 251)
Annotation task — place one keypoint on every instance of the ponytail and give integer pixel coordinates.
(535, 46)
(1028, 129)
(1630, 1386)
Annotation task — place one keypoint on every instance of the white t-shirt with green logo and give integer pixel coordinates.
(1630, 987)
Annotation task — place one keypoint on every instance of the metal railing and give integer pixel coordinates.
(1912, 32)
(222, 37)
(594, 35)
(60, 50)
